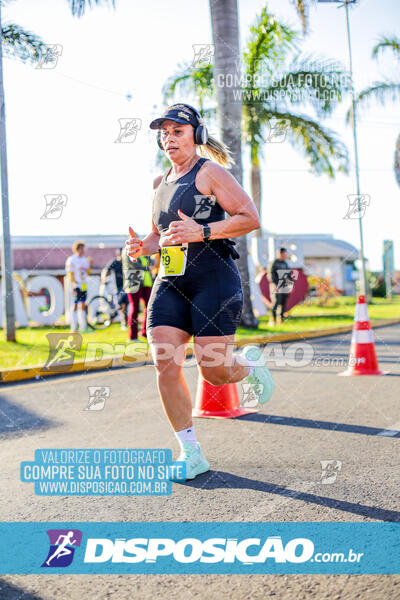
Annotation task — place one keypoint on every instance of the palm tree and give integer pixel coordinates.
(273, 101)
(382, 91)
(301, 7)
(28, 46)
(16, 42)
(225, 28)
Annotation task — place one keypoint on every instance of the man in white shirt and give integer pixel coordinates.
(78, 267)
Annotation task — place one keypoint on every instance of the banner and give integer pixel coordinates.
(187, 548)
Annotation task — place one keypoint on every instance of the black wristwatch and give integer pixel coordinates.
(206, 232)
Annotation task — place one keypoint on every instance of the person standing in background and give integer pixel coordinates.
(78, 267)
(115, 266)
(283, 282)
(143, 293)
(133, 275)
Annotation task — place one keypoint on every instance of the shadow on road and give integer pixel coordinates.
(11, 592)
(313, 424)
(220, 479)
(16, 420)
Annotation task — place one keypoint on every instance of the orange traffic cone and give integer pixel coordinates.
(362, 358)
(218, 401)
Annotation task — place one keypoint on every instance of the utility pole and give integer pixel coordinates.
(6, 252)
(364, 283)
(388, 266)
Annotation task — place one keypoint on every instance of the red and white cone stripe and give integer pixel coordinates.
(362, 337)
(362, 359)
(361, 313)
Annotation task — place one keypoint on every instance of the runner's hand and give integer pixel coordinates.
(183, 231)
(166, 241)
(133, 245)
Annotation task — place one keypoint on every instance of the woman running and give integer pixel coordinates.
(198, 289)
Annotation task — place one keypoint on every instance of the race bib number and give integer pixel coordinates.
(173, 260)
(83, 287)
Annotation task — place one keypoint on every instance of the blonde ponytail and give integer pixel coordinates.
(217, 151)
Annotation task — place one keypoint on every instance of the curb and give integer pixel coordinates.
(38, 372)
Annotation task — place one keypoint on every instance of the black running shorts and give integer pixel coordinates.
(206, 301)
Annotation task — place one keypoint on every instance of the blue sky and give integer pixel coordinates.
(62, 123)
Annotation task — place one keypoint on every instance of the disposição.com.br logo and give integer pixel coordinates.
(62, 547)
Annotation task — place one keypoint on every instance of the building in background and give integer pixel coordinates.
(39, 268)
(315, 253)
(47, 254)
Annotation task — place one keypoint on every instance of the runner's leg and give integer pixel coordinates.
(217, 364)
(168, 346)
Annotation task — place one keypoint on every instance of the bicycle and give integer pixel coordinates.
(101, 311)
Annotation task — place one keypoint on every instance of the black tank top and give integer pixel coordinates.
(183, 194)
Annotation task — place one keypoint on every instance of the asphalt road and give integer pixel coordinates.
(265, 467)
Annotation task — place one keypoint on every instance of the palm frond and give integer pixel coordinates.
(386, 42)
(380, 91)
(175, 82)
(78, 7)
(196, 81)
(269, 42)
(22, 44)
(323, 150)
(320, 83)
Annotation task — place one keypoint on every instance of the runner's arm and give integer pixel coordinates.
(150, 244)
(217, 181)
(214, 180)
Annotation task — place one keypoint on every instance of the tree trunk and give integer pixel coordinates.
(225, 28)
(397, 161)
(255, 178)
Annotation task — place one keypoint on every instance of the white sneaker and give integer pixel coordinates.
(194, 460)
(260, 380)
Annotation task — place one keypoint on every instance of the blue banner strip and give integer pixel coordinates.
(153, 548)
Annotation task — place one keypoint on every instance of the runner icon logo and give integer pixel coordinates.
(48, 56)
(133, 279)
(251, 394)
(330, 469)
(204, 205)
(287, 277)
(277, 130)
(203, 54)
(128, 129)
(357, 206)
(97, 397)
(55, 203)
(61, 551)
(62, 351)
